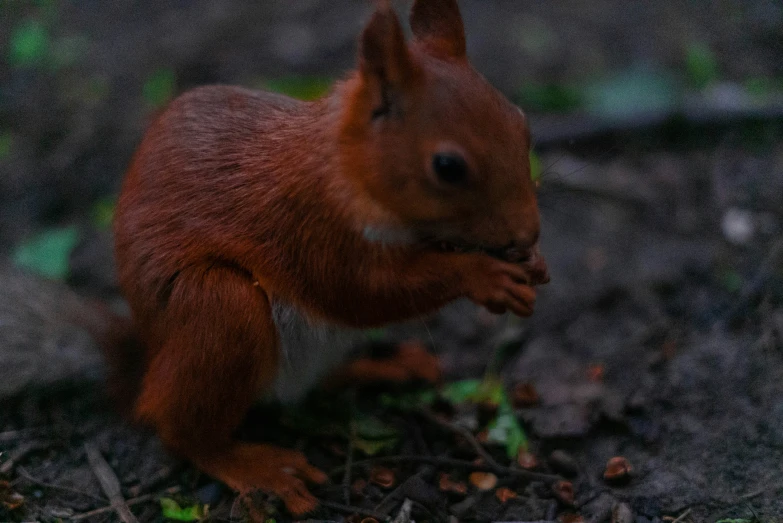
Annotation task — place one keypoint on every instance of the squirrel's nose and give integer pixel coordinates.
(537, 266)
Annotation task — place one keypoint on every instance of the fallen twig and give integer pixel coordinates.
(404, 515)
(456, 463)
(109, 483)
(155, 481)
(23, 450)
(26, 475)
(109, 508)
(465, 433)
(682, 516)
(13, 435)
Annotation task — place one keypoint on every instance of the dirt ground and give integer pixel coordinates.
(660, 337)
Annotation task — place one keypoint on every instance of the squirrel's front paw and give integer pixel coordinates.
(500, 286)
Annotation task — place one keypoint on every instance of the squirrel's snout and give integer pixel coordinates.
(532, 259)
(539, 272)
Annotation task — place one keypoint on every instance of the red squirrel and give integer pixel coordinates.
(256, 235)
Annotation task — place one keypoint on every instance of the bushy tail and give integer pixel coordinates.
(51, 337)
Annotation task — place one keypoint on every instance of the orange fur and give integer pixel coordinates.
(239, 201)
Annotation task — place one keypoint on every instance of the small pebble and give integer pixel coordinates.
(738, 226)
(622, 513)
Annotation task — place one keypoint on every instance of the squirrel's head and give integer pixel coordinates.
(440, 154)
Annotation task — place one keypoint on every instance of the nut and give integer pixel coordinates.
(564, 492)
(446, 484)
(382, 477)
(526, 460)
(618, 469)
(483, 480)
(504, 494)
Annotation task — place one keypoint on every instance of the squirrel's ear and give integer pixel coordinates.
(385, 63)
(437, 26)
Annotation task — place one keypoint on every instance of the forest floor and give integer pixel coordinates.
(659, 338)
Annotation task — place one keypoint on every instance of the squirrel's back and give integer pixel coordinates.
(204, 177)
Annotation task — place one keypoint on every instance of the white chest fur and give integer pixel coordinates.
(308, 351)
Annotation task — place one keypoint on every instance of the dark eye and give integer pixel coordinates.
(450, 168)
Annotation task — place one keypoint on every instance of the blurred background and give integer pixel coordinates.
(659, 151)
(80, 80)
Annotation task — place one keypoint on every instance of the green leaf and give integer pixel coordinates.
(701, 65)
(373, 428)
(461, 391)
(409, 401)
(506, 430)
(535, 166)
(373, 447)
(632, 94)
(103, 213)
(159, 87)
(6, 141)
(301, 87)
(490, 389)
(29, 44)
(48, 253)
(172, 510)
(373, 435)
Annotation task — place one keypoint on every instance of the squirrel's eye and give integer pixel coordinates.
(450, 168)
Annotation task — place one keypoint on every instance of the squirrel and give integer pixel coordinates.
(256, 235)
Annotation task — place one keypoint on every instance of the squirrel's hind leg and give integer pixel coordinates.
(214, 351)
(410, 362)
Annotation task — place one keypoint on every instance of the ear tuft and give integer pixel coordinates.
(383, 51)
(438, 27)
(385, 63)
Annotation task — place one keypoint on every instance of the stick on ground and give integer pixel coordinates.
(109, 483)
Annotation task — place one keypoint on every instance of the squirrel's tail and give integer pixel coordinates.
(51, 337)
(122, 350)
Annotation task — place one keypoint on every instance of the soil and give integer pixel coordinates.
(659, 339)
